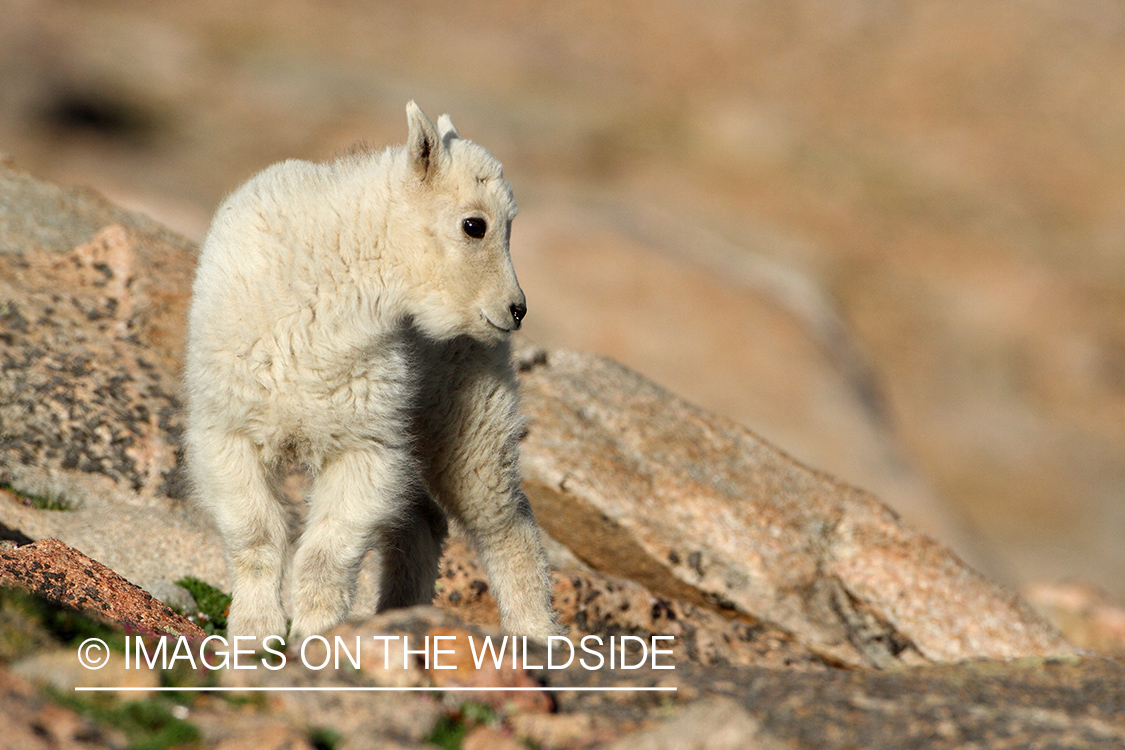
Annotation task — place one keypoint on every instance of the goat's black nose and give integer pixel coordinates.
(518, 310)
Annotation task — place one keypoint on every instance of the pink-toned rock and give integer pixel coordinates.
(1083, 613)
(490, 738)
(93, 302)
(638, 482)
(593, 602)
(92, 340)
(54, 571)
(690, 507)
(683, 514)
(464, 673)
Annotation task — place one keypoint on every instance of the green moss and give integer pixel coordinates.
(448, 733)
(450, 730)
(323, 738)
(39, 502)
(213, 605)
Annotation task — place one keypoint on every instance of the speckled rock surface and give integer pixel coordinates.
(1029, 703)
(92, 305)
(591, 602)
(89, 385)
(641, 483)
(54, 571)
(1037, 703)
(92, 308)
(664, 520)
(642, 486)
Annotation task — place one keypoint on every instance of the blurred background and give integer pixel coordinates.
(888, 236)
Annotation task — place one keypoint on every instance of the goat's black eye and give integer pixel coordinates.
(474, 227)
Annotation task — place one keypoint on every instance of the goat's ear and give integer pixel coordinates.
(423, 143)
(447, 130)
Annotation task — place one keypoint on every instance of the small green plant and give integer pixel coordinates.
(448, 733)
(213, 605)
(39, 502)
(324, 738)
(450, 730)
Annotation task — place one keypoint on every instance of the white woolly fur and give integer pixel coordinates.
(355, 316)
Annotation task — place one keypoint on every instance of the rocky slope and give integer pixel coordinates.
(698, 186)
(789, 594)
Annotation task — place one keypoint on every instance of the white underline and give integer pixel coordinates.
(451, 689)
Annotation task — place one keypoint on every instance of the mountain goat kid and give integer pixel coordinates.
(355, 316)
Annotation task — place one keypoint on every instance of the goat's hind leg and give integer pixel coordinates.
(243, 496)
(410, 554)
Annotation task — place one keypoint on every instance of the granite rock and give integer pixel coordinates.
(54, 571)
(639, 483)
(660, 517)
